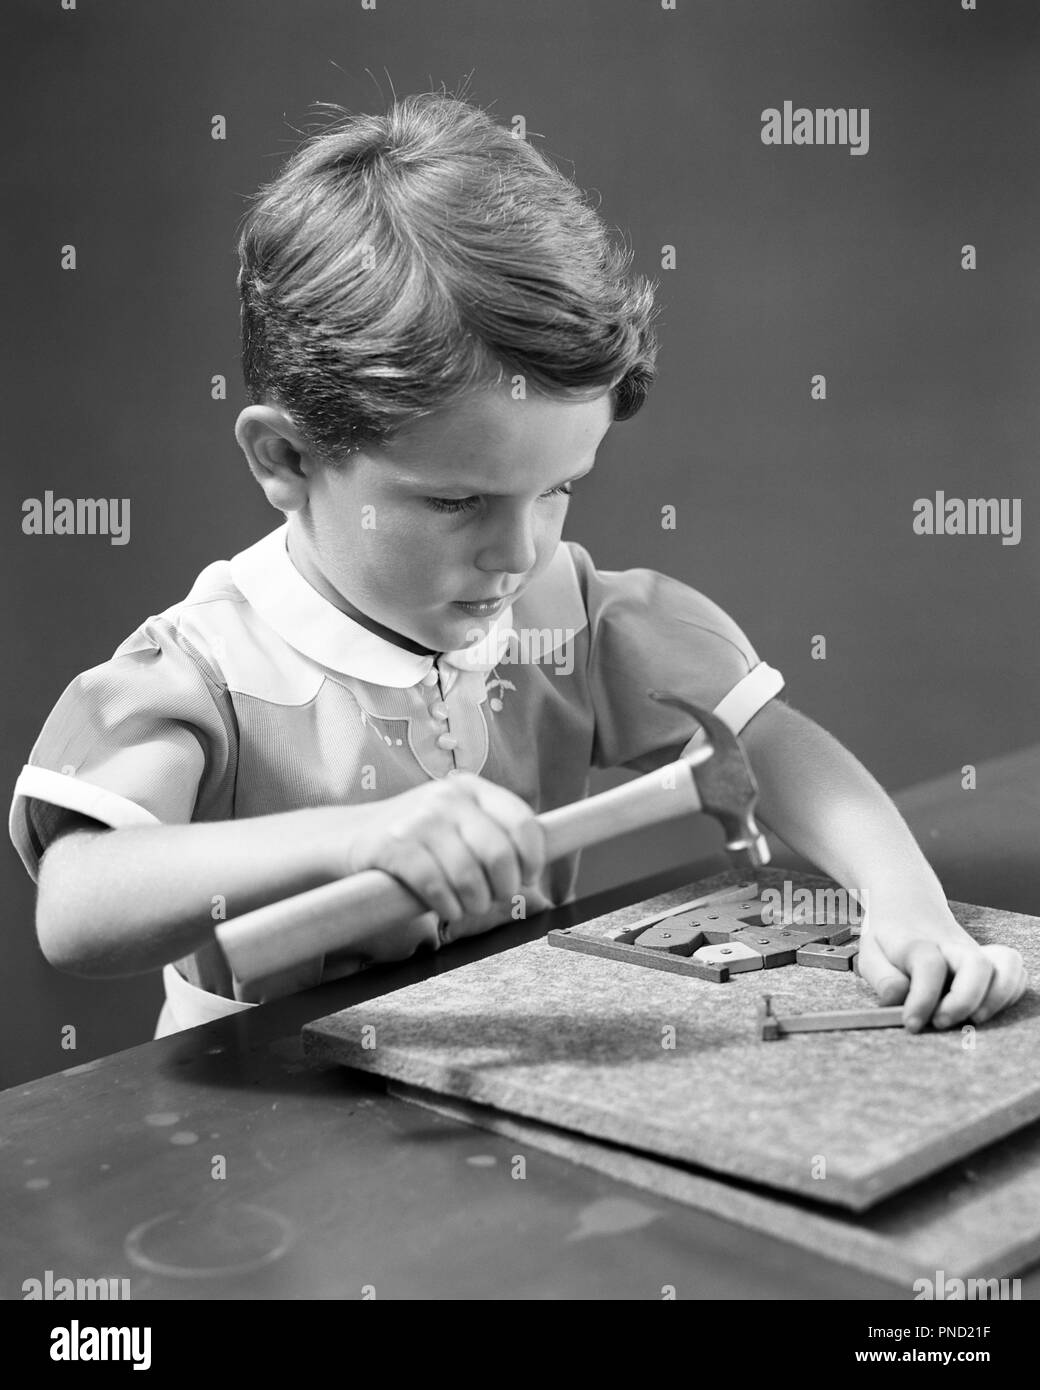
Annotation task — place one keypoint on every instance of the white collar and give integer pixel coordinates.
(266, 576)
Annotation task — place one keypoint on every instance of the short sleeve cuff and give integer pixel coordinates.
(744, 701)
(72, 794)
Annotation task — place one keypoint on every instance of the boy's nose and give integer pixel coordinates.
(510, 550)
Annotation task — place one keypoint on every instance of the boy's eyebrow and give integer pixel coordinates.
(409, 480)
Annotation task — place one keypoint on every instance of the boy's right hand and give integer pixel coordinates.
(460, 843)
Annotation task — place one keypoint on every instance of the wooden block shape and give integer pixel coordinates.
(571, 939)
(675, 940)
(827, 957)
(732, 954)
(720, 923)
(834, 935)
(720, 916)
(776, 947)
(754, 915)
(741, 891)
(718, 936)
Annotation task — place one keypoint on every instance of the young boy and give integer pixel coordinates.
(438, 333)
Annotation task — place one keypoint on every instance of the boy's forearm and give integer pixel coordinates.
(119, 902)
(825, 804)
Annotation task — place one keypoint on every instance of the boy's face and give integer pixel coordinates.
(464, 504)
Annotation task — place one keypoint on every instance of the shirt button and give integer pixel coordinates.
(431, 677)
(439, 711)
(446, 741)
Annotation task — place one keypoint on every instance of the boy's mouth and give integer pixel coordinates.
(485, 607)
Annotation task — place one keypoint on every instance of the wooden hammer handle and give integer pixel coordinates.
(321, 920)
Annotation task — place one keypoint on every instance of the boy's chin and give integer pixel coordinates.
(467, 629)
(453, 632)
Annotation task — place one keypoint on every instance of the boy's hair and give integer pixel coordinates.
(400, 261)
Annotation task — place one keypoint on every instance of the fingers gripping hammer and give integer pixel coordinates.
(711, 776)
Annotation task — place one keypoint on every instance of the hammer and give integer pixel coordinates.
(714, 777)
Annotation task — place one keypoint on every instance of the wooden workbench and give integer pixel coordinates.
(332, 1185)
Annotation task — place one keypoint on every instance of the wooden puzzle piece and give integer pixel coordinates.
(573, 940)
(741, 891)
(835, 935)
(683, 938)
(674, 922)
(716, 924)
(722, 925)
(828, 957)
(776, 946)
(676, 939)
(721, 920)
(733, 954)
(830, 923)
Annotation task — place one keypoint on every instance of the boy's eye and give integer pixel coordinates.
(464, 504)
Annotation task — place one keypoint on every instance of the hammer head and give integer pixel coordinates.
(726, 786)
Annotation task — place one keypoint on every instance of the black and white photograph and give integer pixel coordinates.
(522, 744)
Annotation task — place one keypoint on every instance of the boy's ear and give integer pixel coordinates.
(277, 455)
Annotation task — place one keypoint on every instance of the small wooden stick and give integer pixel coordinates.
(722, 895)
(825, 1022)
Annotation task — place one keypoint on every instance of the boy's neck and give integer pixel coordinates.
(321, 585)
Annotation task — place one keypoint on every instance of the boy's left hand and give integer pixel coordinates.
(925, 960)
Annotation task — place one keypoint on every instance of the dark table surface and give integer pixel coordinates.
(220, 1163)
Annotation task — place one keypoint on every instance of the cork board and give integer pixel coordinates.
(671, 1066)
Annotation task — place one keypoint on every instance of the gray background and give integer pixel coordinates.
(794, 515)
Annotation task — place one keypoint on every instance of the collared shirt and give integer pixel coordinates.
(255, 695)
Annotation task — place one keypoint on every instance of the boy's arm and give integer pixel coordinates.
(117, 902)
(826, 805)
